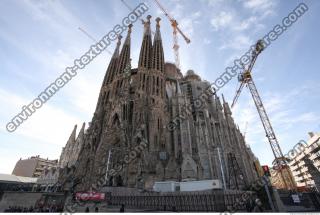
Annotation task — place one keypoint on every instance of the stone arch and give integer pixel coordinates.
(118, 181)
(189, 168)
(115, 120)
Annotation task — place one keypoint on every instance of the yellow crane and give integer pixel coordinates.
(176, 30)
(245, 79)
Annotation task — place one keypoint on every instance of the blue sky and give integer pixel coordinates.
(38, 39)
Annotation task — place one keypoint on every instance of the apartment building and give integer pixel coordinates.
(305, 162)
(33, 166)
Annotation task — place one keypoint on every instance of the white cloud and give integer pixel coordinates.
(238, 25)
(53, 13)
(83, 94)
(187, 23)
(239, 42)
(206, 41)
(263, 7)
(235, 23)
(245, 24)
(258, 4)
(49, 124)
(222, 20)
(213, 3)
(284, 116)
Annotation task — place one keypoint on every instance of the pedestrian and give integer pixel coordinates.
(249, 205)
(174, 209)
(87, 210)
(122, 208)
(96, 210)
(258, 206)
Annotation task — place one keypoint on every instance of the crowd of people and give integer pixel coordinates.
(254, 206)
(50, 209)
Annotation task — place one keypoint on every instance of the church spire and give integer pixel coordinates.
(80, 138)
(124, 58)
(113, 64)
(72, 137)
(81, 132)
(157, 54)
(218, 103)
(226, 107)
(72, 140)
(145, 57)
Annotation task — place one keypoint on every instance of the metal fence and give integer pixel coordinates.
(211, 201)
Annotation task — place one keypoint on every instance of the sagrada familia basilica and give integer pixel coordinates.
(147, 127)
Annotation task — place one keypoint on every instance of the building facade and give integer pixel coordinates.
(70, 152)
(305, 162)
(48, 180)
(187, 132)
(33, 166)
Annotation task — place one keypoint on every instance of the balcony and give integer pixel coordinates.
(316, 163)
(295, 173)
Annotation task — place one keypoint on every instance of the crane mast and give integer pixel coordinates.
(245, 78)
(176, 30)
(176, 45)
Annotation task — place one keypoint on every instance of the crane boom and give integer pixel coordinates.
(91, 37)
(174, 22)
(265, 121)
(176, 48)
(183, 35)
(237, 94)
(176, 30)
(164, 11)
(131, 9)
(88, 35)
(245, 78)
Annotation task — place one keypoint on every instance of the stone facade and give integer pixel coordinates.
(186, 138)
(70, 153)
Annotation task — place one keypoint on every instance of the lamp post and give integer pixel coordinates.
(163, 156)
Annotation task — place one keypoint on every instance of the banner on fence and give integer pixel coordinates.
(90, 196)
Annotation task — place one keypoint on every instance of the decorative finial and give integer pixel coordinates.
(148, 18)
(129, 28)
(119, 39)
(158, 21)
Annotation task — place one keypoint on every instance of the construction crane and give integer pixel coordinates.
(131, 9)
(91, 37)
(176, 30)
(245, 79)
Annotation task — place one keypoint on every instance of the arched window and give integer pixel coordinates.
(159, 123)
(116, 121)
(157, 85)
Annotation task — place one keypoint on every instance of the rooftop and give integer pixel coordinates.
(14, 178)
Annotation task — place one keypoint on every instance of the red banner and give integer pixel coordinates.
(86, 196)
